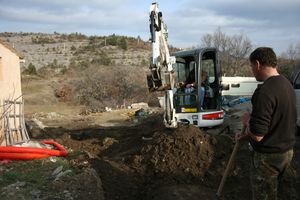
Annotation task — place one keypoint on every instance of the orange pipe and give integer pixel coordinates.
(29, 153)
(63, 151)
(22, 156)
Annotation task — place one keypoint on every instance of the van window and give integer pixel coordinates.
(297, 82)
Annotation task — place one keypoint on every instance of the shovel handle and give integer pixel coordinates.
(229, 165)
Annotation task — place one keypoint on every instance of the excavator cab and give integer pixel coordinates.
(197, 92)
(200, 69)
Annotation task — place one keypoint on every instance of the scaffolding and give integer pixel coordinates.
(14, 122)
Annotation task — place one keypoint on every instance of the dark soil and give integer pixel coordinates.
(150, 162)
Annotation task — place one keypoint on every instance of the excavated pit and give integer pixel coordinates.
(148, 161)
(140, 161)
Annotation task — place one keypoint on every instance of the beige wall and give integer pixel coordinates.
(10, 80)
(1, 76)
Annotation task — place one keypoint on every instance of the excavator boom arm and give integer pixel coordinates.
(161, 65)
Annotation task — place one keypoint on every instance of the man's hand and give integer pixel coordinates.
(180, 84)
(190, 85)
(245, 119)
(238, 137)
(243, 135)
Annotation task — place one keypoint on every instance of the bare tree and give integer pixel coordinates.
(207, 40)
(289, 62)
(233, 51)
(240, 48)
(218, 40)
(293, 52)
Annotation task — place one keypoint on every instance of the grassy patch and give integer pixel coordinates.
(36, 172)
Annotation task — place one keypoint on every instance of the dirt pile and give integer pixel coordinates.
(186, 150)
(182, 163)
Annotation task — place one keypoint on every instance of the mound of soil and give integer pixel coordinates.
(149, 161)
(186, 150)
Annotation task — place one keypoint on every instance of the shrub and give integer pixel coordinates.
(145, 63)
(112, 40)
(101, 87)
(73, 48)
(123, 44)
(102, 59)
(30, 70)
(42, 40)
(63, 93)
(64, 70)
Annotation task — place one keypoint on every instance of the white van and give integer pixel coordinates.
(297, 91)
(239, 86)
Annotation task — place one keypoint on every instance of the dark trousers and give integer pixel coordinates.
(266, 170)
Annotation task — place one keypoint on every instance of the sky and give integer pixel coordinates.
(273, 23)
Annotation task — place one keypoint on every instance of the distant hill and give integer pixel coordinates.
(65, 50)
(91, 71)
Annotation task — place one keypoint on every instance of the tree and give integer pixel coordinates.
(240, 48)
(233, 51)
(289, 62)
(112, 40)
(123, 43)
(31, 69)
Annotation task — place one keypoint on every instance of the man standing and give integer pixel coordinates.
(271, 126)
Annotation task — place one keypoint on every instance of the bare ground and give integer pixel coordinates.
(134, 161)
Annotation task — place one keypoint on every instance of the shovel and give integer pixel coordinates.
(229, 165)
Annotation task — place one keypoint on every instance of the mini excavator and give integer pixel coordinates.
(198, 103)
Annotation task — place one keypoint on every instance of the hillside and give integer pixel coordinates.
(94, 71)
(61, 49)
